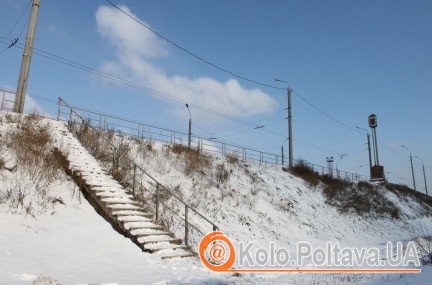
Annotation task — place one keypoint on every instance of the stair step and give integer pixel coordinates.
(132, 226)
(149, 232)
(173, 253)
(120, 200)
(158, 246)
(123, 207)
(139, 212)
(129, 219)
(158, 238)
(118, 189)
(107, 194)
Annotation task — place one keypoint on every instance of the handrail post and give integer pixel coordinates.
(113, 161)
(134, 180)
(186, 224)
(157, 202)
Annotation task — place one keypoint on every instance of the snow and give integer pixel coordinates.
(71, 243)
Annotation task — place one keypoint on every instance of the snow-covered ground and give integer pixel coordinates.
(61, 235)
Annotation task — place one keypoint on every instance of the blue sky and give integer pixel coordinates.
(349, 58)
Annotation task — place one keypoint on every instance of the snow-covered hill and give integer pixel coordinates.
(48, 227)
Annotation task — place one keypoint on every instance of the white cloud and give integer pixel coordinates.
(135, 47)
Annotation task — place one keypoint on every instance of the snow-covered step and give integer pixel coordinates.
(106, 194)
(132, 213)
(120, 200)
(157, 246)
(123, 207)
(158, 238)
(132, 226)
(173, 253)
(149, 232)
(133, 219)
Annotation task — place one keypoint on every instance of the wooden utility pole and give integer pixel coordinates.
(27, 54)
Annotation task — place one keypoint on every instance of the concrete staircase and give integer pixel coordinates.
(116, 204)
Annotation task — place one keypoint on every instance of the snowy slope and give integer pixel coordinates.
(256, 202)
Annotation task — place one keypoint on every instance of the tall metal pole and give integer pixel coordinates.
(412, 166)
(376, 146)
(190, 133)
(290, 138)
(412, 172)
(282, 155)
(190, 127)
(424, 176)
(370, 155)
(27, 54)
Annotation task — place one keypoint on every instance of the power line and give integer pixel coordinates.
(224, 69)
(126, 82)
(19, 18)
(190, 52)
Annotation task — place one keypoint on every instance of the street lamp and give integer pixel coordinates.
(412, 166)
(290, 138)
(424, 173)
(369, 150)
(190, 127)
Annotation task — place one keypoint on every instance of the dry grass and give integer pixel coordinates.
(111, 150)
(306, 173)
(362, 198)
(195, 160)
(232, 158)
(403, 191)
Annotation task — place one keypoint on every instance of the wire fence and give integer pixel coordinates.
(150, 132)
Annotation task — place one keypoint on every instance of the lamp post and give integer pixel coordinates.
(290, 138)
(190, 127)
(369, 150)
(424, 174)
(412, 166)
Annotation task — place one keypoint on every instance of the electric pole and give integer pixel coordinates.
(412, 167)
(369, 150)
(290, 138)
(424, 174)
(27, 54)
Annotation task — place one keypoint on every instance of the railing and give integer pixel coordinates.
(7, 100)
(155, 133)
(142, 130)
(167, 207)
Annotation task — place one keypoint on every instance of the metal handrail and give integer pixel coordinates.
(187, 206)
(172, 136)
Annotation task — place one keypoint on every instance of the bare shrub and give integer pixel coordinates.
(232, 158)
(306, 173)
(403, 191)
(221, 174)
(2, 163)
(122, 165)
(195, 160)
(362, 199)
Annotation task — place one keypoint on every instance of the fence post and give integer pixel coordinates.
(157, 202)
(186, 224)
(3, 99)
(134, 179)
